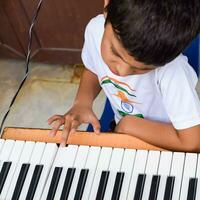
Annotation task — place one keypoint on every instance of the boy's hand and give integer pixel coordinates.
(72, 120)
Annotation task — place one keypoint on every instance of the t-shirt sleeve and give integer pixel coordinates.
(179, 95)
(88, 48)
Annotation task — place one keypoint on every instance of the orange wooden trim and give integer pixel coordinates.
(79, 138)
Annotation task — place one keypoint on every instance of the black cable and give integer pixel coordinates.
(27, 62)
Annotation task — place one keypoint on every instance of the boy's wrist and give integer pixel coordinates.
(83, 103)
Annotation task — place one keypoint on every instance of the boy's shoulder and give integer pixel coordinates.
(177, 69)
(96, 21)
(95, 26)
(94, 32)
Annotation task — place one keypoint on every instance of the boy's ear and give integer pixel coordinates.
(105, 3)
(104, 10)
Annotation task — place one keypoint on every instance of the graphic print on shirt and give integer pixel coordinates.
(124, 95)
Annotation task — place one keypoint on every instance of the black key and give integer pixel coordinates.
(20, 181)
(192, 189)
(67, 184)
(81, 184)
(117, 186)
(102, 185)
(54, 183)
(139, 187)
(154, 187)
(169, 187)
(4, 172)
(34, 182)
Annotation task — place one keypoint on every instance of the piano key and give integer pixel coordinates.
(102, 185)
(67, 184)
(34, 182)
(177, 171)
(154, 187)
(198, 178)
(91, 164)
(81, 184)
(191, 194)
(114, 167)
(2, 141)
(3, 174)
(151, 169)
(14, 158)
(20, 181)
(6, 151)
(168, 192)
(69, 153)
(189, 171)
(163, 171)
(63, 152)
(79, 164)
(54, 183)
(34, 160)
(139, 187)
(117, 186)
(138, 168)
(24, 158)
(103, 164)
(127, 167)
(5, 154)
(48, 157)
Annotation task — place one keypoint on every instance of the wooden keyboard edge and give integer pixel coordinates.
(79, 138)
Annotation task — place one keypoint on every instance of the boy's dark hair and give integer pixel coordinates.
(154, 31)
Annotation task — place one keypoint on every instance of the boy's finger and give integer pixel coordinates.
(54, 118)
(55, 128)
(65, 134)
(74, 126)
(96, 125)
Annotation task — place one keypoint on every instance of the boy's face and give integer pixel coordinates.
(117, 58)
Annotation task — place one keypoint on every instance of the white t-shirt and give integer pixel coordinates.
(166, 94)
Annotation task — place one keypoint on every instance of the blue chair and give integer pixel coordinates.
(193, 54)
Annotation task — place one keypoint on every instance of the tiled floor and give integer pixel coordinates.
(49, 90)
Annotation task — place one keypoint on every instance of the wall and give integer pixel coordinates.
(58, 32)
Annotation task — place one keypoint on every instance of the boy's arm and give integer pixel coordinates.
(161, 134)
(88, 90)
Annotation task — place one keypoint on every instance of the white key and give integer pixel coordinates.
(114, 167)
(127, 167)
(63, 155)
(6, 151)
(164, 170)
(24, 158)
(198, 177)
(151, 169)
(14, 158)
(35, 159)
(1, 144)
(79, 164)
(102, 165)
(47, 161)
(67, 159)
(188, 172)
(177, 170)
(91, 164)
(139, 168)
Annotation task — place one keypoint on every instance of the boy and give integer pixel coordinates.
(133, 52)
